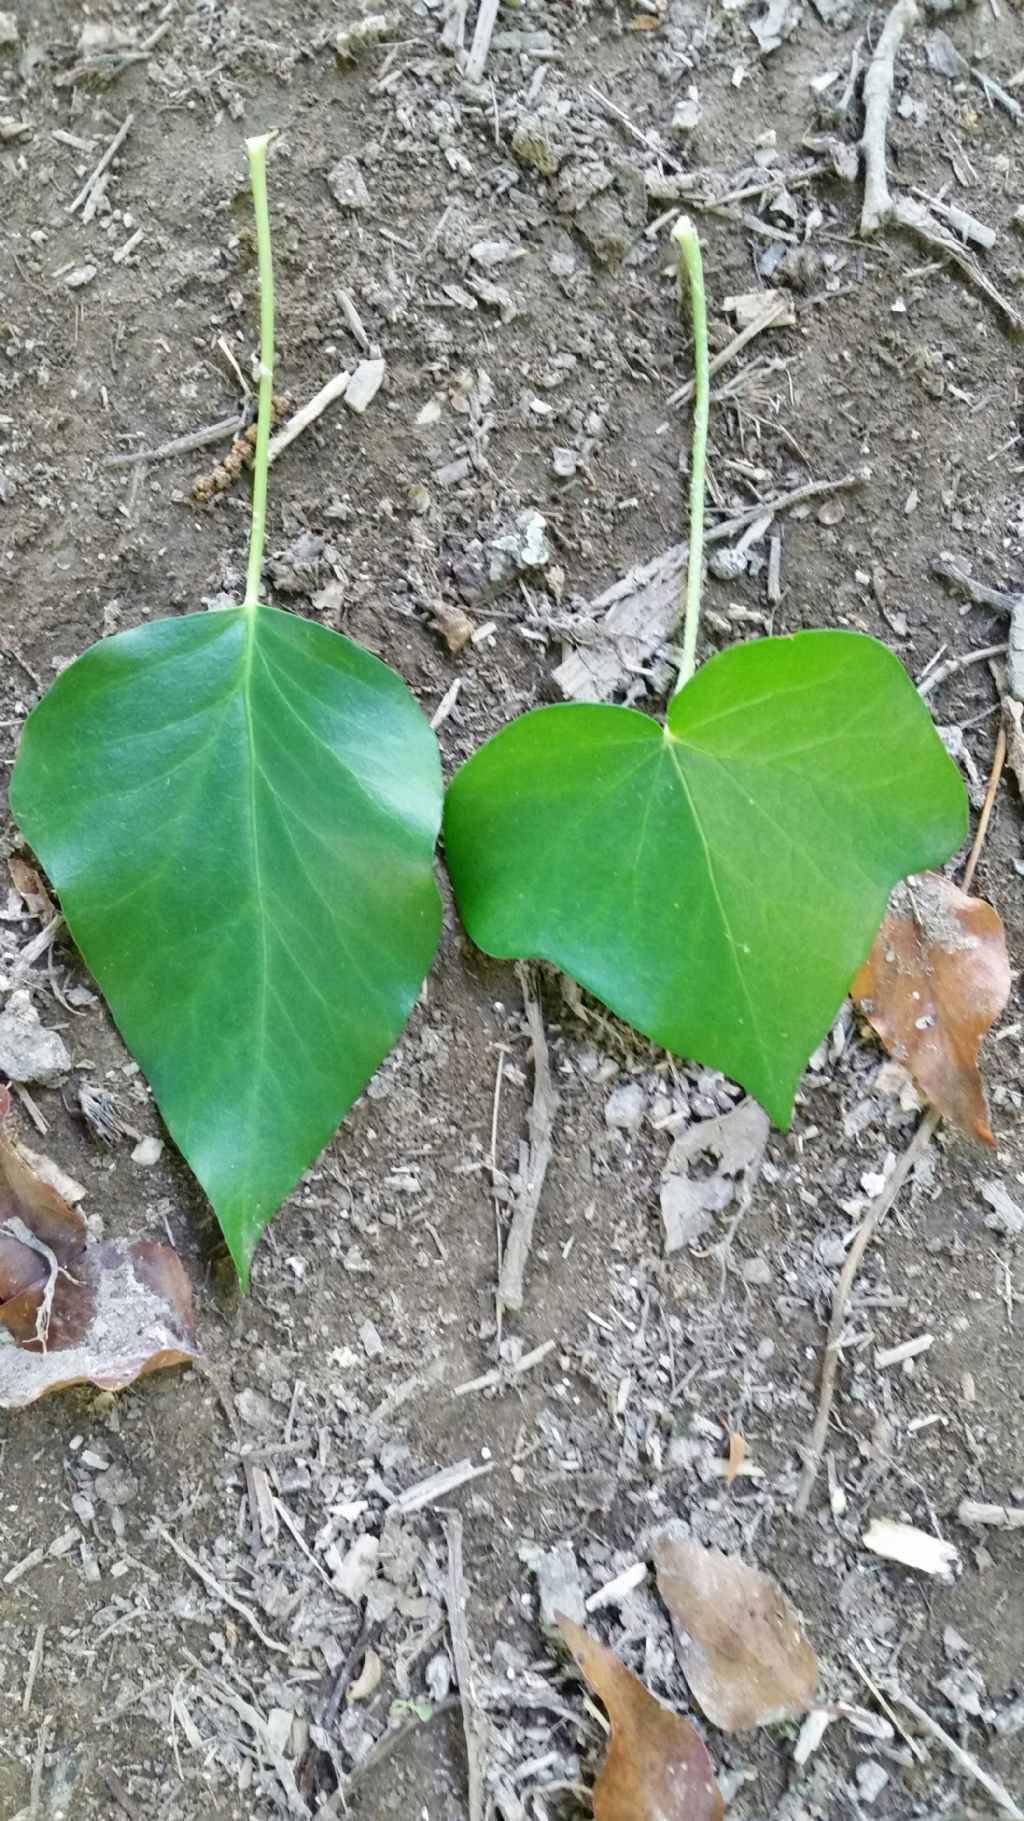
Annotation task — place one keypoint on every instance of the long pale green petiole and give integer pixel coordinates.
(257, 154)
(692, 271)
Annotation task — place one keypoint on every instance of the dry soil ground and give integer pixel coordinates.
(129, 1686)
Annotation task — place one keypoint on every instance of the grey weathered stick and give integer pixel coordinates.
(473, 1723)
(830, 1365)
(879, 206)
(1003, 1517)
(966, 1762)
(878, 82)
(776, 308)
(540, 1124)
(483, 31)
(108, 157)
(180, 445)
(907, 213)
(952, 666)
(307, 414)
(951, 569)
(967, 225)
(215, 1587)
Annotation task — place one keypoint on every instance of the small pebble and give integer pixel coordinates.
(871, 1779)
(346, 184)
(373, 1346)
(624, 1108)
(147, 1152)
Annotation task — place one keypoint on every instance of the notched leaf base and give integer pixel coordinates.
(717, 889)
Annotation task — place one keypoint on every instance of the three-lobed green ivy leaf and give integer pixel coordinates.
(239, 812)
(717, 881)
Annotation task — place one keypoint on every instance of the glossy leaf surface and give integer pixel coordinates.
(238, 811)
(716, 882)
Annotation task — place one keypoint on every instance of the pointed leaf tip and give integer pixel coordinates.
(658, 1767)
(239, 812)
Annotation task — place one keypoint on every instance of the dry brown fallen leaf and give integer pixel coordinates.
(737, 1637)
(934, 983)
(658, 1767)
(79, 1311)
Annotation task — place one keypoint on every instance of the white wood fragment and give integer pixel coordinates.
(811, 1733)
(25, 1566)
(616, 1590)
(308, 414)
(439, 1485)
(1002, 1517)
(912, 1547)
(907, 1349)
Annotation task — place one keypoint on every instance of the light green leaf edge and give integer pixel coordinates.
(135, 815)
(573, 834)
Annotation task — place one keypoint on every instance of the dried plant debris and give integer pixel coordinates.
(913, 1548)
(29, 1051)
(78, 1311)
(740, 1643)
(658, 1767)
(934, 984)
(689, 1201)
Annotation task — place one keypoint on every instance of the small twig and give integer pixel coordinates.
(307, 414)
(998, 762)
(34, 1663)
(96, 175)
(540, 1124)
(503, 1375)
(951, 569)
(953, 666)
(967, 1763)
(180, 445)
(890, 1712)
(880, 206)
(446, 704)
(16, 1227)
(811, 490)
(120, 1795)
(1001, 1517)
(967, 225)
(483, 31)
(869, 1226)
(878, 85)
(473, 1723)
(346, 1672)
(777, 306)
(907, 213)
(35, 1800)
(219, 1591)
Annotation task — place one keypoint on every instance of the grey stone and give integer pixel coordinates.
(345, 181)
(624, 1109)
(28, 1051)
(559, 1582)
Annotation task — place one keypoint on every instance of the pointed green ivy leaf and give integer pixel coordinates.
(716, 882)
(239, 812)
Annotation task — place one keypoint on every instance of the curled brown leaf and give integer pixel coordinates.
(79, 1311)
(738, 1639)
(933, 985)
(658, 1767)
